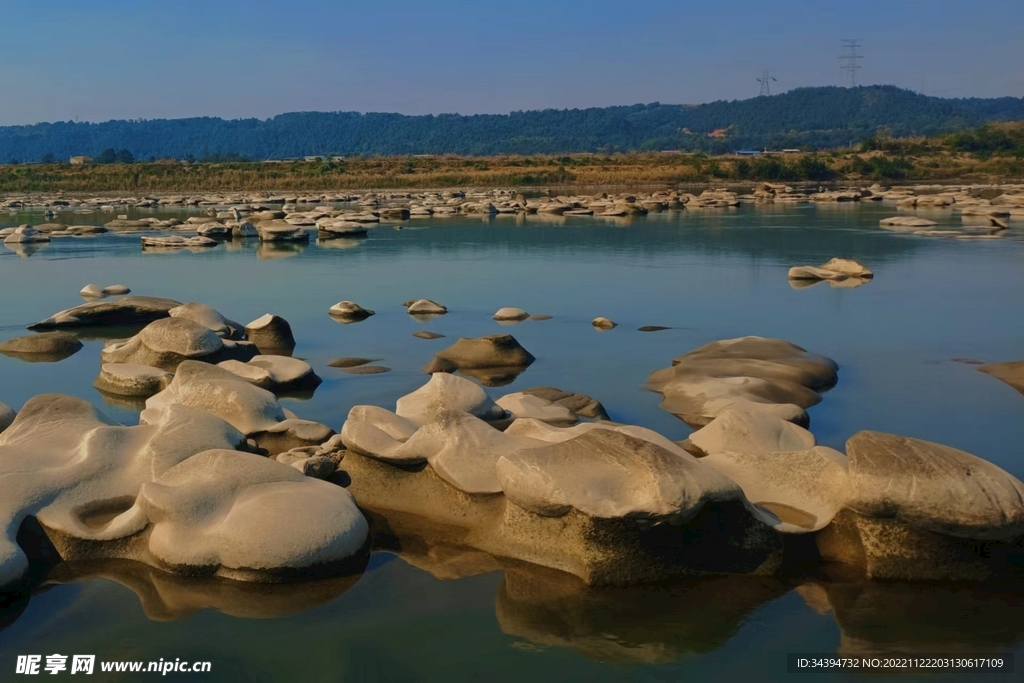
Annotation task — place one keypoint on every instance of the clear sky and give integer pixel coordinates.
(100, 59)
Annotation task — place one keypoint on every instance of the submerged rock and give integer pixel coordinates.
(271, 334)
(425, 334)
(366, 370)
(45, 346)
(130, 310)
(351, 362)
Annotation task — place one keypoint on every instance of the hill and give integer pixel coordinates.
(808, 118)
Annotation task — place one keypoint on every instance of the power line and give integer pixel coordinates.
(765, 79)
(848, 60)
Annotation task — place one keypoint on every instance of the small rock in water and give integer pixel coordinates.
(350, 362)
(652, 328)
(366, 370)
(511, 314)
(426, 307)
(426, 334)
(603, 323)
(540, 316)
(96, 291)
(350, 311)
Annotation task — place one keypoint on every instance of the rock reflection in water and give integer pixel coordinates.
(278, 250)
(641, 624)
(494, 377)
(167, 597)
(922, 618)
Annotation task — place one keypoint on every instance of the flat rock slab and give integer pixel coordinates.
(652, 328)
(351, 362)
(46, 346)
(130, 310)
(366, 370)
(425, 334)
(1011, 373)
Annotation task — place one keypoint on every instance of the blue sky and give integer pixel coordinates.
(102, 59)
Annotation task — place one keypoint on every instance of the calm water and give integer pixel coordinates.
(708, 275)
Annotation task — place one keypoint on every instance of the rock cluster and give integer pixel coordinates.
(838, 272)
(171, 492)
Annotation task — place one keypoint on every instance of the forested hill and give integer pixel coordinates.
(805, 117)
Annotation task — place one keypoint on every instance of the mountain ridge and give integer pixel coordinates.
(813, 118)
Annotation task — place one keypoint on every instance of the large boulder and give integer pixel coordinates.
(490, 351)
(219, 392)
(131, 310)
(923, 511)
(271, 334)
(738, 431)
(167, 343)
(45, 346)
(210, 318)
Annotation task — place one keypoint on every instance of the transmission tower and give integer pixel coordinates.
(849, 60)
(765, 79)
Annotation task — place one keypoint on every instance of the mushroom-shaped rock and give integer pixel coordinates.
(447, 392)
(349, 311)
(210, 318)
(166, 343)
(219, 392)
(933, 487)
(426, 307)
(7, 416)
(530, 406)
(607, 474)
(239, 512)
(803, 489)
(603, 323)
(490, 351)
(46, 346)
(130, 310)
(739, 431)
(279, 374)
(511, 314)
(292, 433)
(271, 334)
(580, 404)
(132, 379)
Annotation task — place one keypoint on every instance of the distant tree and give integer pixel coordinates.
(123, 156)
(48, 158)
(107, 156)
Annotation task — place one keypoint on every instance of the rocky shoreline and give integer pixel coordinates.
(218, 479)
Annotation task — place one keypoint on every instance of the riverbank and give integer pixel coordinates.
(665, 169)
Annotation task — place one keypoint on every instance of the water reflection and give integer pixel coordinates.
(279, 250)
(167, 597)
